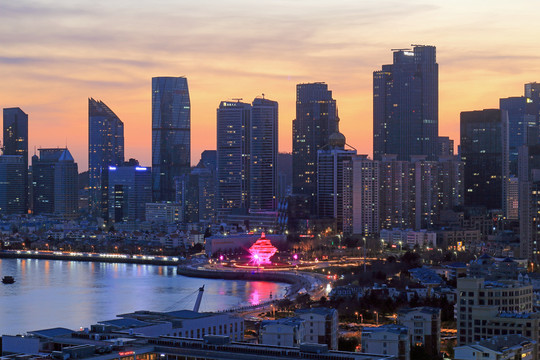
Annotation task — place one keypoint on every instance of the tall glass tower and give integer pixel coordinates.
(264, 151)
(105, 148)
(316, 119)
(16, 143)
(171, 124)
(233, 154)
(406, 105)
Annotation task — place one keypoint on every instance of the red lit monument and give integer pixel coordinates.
(262, 251)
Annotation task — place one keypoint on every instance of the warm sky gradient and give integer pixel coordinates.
(54, 54)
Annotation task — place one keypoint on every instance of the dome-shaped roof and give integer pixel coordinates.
(337, 139)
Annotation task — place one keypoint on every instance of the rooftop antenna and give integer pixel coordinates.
(263, 95)
(237, 99)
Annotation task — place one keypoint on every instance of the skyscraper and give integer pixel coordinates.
(130, 189)
(233, 154)
(171, 124)
(406, 105)
(316, 119)
(365, 188)
(105, 148)
(334, 183)
(263, 155)
(55, 179)
(16, 142)
(484, 152)
(12, 185)
(523, 121)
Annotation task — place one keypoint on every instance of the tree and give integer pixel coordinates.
(347, 344)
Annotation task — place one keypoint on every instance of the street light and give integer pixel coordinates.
(377, 316)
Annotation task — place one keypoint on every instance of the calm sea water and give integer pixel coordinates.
(50, 293)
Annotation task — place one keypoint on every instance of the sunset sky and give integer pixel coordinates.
(54, 55)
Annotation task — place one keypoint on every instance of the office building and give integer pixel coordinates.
(405, 105)
(12, 185)
(130, 189)
(55, 183)
(391, 340)
(334, 184)
(451, 187)
(365, 192)
(196, 194)
(233, 154)
(66, 186)
(484, 152)
(489, 308)
(523, 122)
(424, 324)
(316, 119)
(508, 347)
(105, 148)
(16, 142)
(165, 212)
(263, 176)
(321, 326)
(171, 129)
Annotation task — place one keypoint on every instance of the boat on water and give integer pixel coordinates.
(8, 279)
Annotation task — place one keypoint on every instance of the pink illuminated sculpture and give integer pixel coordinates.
(262, 251)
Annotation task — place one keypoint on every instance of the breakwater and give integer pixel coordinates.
(297, 281)
(93, 257)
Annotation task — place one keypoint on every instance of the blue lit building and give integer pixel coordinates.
(130, 188)
(16, 142)
(171, 124)
(263, 155)
(233, 154)
(405, 105)
(105, 148)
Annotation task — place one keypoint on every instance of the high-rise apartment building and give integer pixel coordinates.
(316, 119)
(484, 152)
(405, 105)
(365, 189)
(334, 183)
(171, 124)
(105, 148)
(196, 193)
(16, 142)
(396, 200)
(529, 202)
(130, 189)
(263, 176)
(233, 154)
(12, 185)
(55, 183)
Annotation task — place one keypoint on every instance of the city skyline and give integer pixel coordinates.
(484, 53)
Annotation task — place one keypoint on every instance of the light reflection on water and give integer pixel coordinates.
(74, 294)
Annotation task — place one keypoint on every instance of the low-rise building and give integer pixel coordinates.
(424, 324)
(509, 347)
(321, 326)
(282, 332)
(387, 340)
